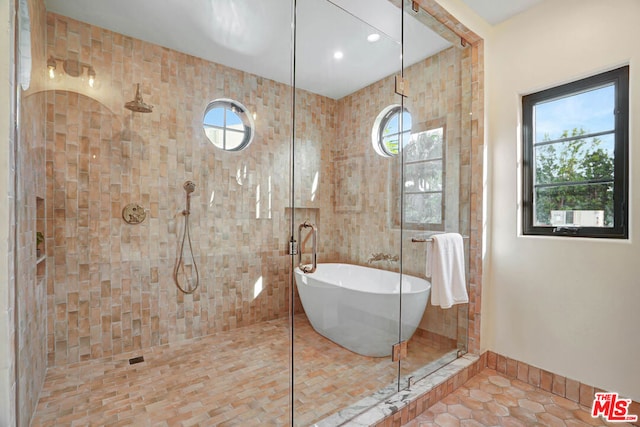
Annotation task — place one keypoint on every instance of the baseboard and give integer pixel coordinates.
(559, 385)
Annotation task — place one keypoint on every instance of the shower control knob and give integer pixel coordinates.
(133, 213)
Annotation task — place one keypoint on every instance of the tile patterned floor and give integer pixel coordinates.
(232, 378)
(491, 399)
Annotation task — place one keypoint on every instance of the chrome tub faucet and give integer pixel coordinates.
(379, 256)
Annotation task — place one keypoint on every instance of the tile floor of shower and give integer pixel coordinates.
(239, 377)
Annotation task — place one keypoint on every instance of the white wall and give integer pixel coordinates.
(569, 306)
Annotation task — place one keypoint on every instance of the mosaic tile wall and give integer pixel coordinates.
(314, 172)
(31, 289)
(477, 197)
(30, 276)
(109, 284)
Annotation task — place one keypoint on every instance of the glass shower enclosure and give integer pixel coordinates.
(380, 163)
(309, 236)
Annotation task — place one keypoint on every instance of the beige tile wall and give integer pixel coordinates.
(110, 286)
(315, 132)
(31, 289)
(31, 285)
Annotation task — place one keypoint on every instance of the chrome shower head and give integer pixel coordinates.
(138, 105)
(189, 187)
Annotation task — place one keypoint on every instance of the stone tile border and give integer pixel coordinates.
(404, 406)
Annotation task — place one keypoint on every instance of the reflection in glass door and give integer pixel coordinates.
(346, 313)
(381, 155)
(435, 183)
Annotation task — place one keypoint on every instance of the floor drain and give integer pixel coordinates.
(135, 360)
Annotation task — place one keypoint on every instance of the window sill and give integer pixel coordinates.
(565, 238)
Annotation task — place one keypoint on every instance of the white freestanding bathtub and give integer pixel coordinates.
(358, 307)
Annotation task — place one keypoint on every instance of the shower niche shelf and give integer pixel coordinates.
(41, 255)
(304, 214)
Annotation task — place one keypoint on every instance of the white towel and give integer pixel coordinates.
(445, 266)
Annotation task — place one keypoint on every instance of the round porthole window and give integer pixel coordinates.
(228, 125)
(391, 128)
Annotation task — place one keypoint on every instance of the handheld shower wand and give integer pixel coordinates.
(189, 187)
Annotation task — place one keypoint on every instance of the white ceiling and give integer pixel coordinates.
(497, 11)
(255, 36)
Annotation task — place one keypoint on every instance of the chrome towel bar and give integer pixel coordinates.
(428, 239)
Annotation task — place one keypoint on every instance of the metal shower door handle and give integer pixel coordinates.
(314, 254)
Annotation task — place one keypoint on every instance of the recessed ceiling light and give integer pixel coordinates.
(374, 37)
(338, 54)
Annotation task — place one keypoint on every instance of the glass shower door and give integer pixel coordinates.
(435, 179)
(347, 126)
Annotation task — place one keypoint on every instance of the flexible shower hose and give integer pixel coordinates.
(186, 235)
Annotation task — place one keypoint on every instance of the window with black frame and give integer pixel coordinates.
(575, 158)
